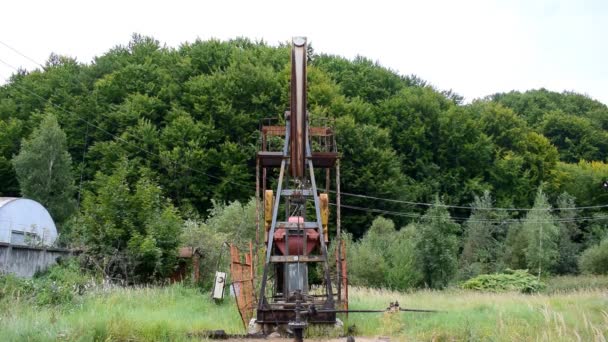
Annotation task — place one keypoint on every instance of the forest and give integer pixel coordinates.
(149, 147)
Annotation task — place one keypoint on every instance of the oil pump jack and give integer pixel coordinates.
(296, 239)
(296, 219)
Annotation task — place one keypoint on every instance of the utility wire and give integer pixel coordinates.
(22, 55)
(466, 207)
(467, 219)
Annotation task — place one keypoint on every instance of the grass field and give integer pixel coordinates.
(473, 316)
(137, 314)
(176, 312)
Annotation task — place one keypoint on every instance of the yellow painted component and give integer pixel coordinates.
(324, 199)
(268, 206)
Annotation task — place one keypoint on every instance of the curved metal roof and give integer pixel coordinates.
(27, 216)
(6, 200)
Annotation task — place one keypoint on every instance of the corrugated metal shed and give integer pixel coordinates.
(24, 221)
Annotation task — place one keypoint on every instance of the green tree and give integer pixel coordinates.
(582, 180)
(569, 233)
(360, 144)
(233, 223)
(361, 78)
(8, 179)
(10, 132)
(403, 273)
(190, 115)
(368, 257)
(594, 260)
(485, 231)
(576, 138)
(367, 267)
(128, 227)
(542, 236)
(436, 246)
(596, 231)
(44, 169)
(515, 246)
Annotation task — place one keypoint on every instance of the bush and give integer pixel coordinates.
(510, 280)
(403, 273)
(58, 285)
(128, 227)
(594, 260)
(366, 266)
(13, 287)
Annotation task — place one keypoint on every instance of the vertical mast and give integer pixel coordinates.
(298, 108)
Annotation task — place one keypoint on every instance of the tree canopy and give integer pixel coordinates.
(180, 124)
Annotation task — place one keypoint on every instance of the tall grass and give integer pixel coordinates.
(176, 313)
(569, 283)
(474, 316)
(122, 314)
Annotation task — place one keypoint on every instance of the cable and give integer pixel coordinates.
(22, 55)
(465, 207)
(455, 218)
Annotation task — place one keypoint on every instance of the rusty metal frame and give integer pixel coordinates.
(242, 275)
(273, 309)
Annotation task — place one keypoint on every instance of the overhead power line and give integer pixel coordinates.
(22, 55)
(464, 207)
(468, 219)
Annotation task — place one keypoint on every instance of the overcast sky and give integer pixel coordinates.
(476, 48)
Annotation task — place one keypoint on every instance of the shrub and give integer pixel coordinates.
(58, 285)
(366, 266)
(510, 280)
(128, 226)
(594, 260)
(13, 287)
(367, 258)
(403, 273)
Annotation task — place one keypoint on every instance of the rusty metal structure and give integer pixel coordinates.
(241, 272)
(295, 223)
(296, 216)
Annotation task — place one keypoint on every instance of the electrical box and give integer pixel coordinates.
(219, 285)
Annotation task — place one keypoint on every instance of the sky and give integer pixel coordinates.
(476, 48)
